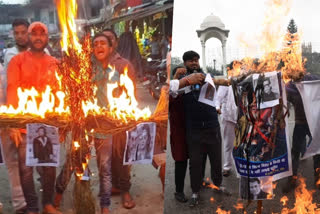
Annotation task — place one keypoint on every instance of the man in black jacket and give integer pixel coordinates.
(202, 131)
(42, 147)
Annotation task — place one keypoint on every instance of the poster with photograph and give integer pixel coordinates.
(268, 88)
(140, 144)
(1, 154)
(256, 188)
(208, 92)
(43, 146)
(261, 147)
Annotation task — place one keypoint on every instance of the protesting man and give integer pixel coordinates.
(177, 129)
(300, 132)
(202, 130)
(103, 143)
(33, 68)
(225, 98)
(120, 173)
(10, 150)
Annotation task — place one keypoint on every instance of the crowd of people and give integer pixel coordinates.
(27, 65)
(195, 130)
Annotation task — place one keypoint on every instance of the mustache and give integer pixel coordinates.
(36, 41)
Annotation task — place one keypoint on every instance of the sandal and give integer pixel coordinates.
(127, 201)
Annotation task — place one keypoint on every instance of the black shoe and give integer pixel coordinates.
(194, 200)
(290, 185)
(180, 197)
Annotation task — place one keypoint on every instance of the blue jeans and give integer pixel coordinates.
(47, 177)
(104, 154)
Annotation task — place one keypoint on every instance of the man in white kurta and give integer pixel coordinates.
(229, 113)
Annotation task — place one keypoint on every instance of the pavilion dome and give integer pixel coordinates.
(212, 21)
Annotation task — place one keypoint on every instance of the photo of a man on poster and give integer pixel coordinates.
(255, 188)
(43, 146)
(268, 94)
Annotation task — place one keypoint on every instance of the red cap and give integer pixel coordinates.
(38, 25)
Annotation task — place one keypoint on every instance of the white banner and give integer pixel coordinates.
(310, 93)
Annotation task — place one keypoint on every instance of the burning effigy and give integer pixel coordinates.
(72, 107)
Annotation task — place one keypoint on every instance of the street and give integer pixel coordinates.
(227, 203)
(146, 186)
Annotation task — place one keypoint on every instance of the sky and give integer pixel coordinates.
(245, 20)
(13, 1)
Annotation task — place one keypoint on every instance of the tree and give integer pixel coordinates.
(292, 27)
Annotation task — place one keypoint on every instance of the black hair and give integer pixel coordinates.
(101, 34)
(111, 31)
(43, 128)
(18, 22)
(175, 70)
(190, 55)
(267, 79)
(251, 180)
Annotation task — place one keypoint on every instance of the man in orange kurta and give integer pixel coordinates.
(33, 68)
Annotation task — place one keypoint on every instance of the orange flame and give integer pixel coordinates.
(126, 105)
(284, 200)
(304, 199)
(277, 55)
(239, 206)
(28, 103)
(67, 11)
(212, 200)
(220, 211)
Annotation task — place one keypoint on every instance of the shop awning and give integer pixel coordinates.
(138, 12)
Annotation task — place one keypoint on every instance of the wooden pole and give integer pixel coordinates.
(259, 207)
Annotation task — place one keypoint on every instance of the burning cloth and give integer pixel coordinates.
(261, 146)
(310, 94)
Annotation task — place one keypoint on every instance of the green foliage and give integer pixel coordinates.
(213, 71)
(292, 27)
(313, 62)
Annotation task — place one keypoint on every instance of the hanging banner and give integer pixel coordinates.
(261, 147)
(310, 94)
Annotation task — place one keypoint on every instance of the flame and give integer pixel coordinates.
(67, 11)
(212, 200)
(281, 50)
(28, 104)
(76, 145)
(220, 211)
(284, 200)
(239, 206)
(126, 104)
(212, 186)
(303, 202)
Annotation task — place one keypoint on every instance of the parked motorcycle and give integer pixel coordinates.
(155, 76)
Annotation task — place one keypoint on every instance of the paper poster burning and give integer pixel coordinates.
(140, 144)
(43, 147)
(261, 146)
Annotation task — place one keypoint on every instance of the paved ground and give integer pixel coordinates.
(227, 203)
(146, 186)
